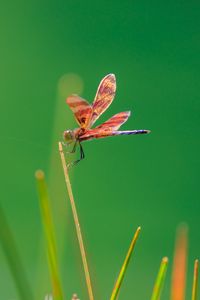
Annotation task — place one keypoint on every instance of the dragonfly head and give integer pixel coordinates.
(68, 136)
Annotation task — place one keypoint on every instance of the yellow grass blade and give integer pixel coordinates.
(160, 279)
(77, 224)
(124, 266)
(179, 264)
(195, 280)
(49, 235)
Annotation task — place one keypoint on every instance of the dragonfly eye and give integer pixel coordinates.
(68, 136)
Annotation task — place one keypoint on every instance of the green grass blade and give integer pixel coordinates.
(195, 280)
(124, 266)
(160, 280)
(49, 235)
(13, 259)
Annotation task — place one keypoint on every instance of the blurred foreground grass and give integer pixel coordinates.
(19, 276)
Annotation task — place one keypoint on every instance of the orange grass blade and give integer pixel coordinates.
(124, 266)
(195, 280)
(179, 264)
(49, 234)
(77, 224)
(160, 279)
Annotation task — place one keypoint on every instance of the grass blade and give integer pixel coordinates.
(124, 266)
(49, 234)
(179, 264)
(77, 224)
(160, 279)
(13, 259)
(195, 280)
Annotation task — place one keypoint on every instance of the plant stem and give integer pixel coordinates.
(160, 279)
(195, 280)
(49, 234)
(77, 224)
(124, 266)
(14, 260)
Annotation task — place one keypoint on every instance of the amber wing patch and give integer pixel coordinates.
(81, 108)
(116, 121)
(104, 97)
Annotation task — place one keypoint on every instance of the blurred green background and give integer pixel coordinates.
(50, 49)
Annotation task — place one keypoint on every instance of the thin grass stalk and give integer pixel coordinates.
(160, 279)
(122, 272)
(77, 224)
(49, 235)
(195, 280)
(179, 264)
(13, 258)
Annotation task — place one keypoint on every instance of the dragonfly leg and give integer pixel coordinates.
(81, 152)
(73, 149)
(82, 156)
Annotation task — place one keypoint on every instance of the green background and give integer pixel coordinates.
(153, 49)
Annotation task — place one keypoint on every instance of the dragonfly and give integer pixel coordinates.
(86, 115)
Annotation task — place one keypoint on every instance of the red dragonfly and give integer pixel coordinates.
(87, 114)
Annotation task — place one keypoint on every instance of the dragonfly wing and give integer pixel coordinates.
(104, 96)
(95, 133)
(81, 108)
(98, 133)
(116, 121)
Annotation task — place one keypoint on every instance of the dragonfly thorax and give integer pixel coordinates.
(69, 136)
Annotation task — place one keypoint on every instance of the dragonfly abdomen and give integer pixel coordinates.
(129, 132)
